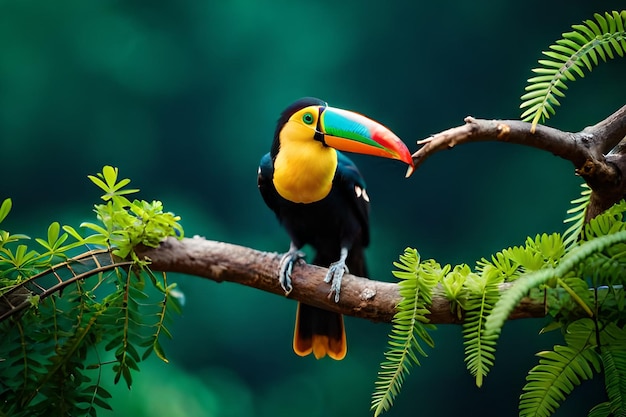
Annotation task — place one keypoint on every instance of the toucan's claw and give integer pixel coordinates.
(335, 274)
(286, 267)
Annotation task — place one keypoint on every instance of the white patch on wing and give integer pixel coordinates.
(360, 192)
(365, 196)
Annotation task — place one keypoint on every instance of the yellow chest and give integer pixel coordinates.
(304, 173)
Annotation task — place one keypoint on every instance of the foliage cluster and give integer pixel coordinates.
(583, 287)
(61, 330)
(580, 274)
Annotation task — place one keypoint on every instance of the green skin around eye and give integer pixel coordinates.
(308, 118)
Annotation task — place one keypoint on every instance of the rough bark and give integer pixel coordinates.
(360, 297)
(597, 152)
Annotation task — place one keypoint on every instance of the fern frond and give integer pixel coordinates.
(480, 349)
(453, 284)
(66, 374)
(22, 365)
(503, 262)
(124, 311)
(614, 361)
(169, 302)
(610, 221)
(600, 410)
(567, 59)
(577, 218)
(613, 347)
(549, 246)
(607, 267)
(559, 371)
(410, 326)
(544, 250)
(526, 282)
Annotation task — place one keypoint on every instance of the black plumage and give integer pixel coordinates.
(339, 220)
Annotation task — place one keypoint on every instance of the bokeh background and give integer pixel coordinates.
(183, 96)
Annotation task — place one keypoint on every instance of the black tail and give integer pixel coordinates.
(322, 332)
(319, 332)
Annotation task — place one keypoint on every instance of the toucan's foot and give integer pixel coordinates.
(286, 267)
(335, 274)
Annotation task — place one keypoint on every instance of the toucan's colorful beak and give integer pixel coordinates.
(352, 132)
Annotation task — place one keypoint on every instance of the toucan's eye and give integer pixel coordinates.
(307, 118)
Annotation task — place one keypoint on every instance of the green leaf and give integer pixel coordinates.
(566, 59)
(107, 181)
(577, 218)
(410, 326)
(600, 410)
(479, 347)
(614, 362)
(101, 184)
(53, 233)
(96, 228)
(72, 232)
(5, 208)
(158, 350)
(109, 174)
(559, 371)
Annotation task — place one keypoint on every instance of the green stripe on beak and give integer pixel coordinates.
(352, 132)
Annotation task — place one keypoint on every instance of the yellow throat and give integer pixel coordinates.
(304, 168)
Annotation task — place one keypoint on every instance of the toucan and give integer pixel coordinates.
(319, 197)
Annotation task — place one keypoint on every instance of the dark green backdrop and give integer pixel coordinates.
(183, 95)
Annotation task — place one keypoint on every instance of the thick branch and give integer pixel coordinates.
(360, 297)
(575, 147)
(610, 131)
(587, 150)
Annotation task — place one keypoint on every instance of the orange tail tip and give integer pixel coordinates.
(320, 346)
(319, 332)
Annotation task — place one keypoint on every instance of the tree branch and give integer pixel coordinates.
(360, 297)
(588, 150)
(597, 153)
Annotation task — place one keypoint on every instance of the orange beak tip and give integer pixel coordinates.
(409, 171)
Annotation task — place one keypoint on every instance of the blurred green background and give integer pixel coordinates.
(183, 96)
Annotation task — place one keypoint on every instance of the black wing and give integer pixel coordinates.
(349, 180)
(350, 183)
(264, 181)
